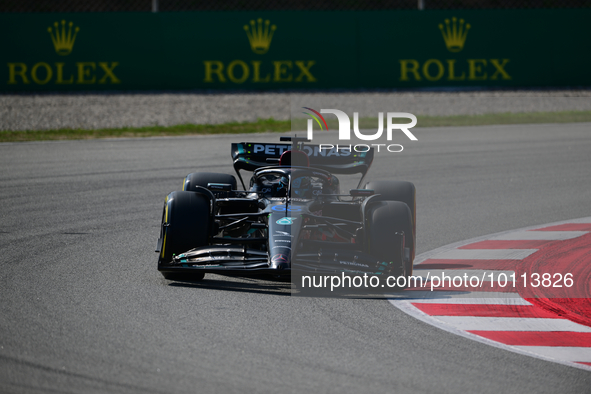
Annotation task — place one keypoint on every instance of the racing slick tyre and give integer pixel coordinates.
(398, 191)
(203, 178)
(185, 226)
(383, 219)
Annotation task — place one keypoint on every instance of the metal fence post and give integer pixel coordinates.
(421, 4)
(154, 5)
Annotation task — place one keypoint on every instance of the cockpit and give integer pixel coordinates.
(298, 182)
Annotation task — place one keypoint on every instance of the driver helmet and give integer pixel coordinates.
(280, 188)
(301, 186)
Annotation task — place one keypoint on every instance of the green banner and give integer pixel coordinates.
(294, 50)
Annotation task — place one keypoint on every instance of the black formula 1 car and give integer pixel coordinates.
(292, 218)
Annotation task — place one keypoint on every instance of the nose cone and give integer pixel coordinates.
(280, 261)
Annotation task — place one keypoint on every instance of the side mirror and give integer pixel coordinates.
(220, 187)
(361, 192)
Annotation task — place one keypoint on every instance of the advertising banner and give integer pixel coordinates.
(294, 50)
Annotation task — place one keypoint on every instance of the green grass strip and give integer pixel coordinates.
(284, 126)
(260, 126)
(468, 120)
(504, 118)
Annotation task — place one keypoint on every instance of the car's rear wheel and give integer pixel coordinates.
(203, 178)
(385, 218)
(185, 226)
(398, 191)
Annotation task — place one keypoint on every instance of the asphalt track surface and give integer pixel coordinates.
(83, 308)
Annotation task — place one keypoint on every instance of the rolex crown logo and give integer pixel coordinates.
(454, 35)
(63, 39)
(260, 35)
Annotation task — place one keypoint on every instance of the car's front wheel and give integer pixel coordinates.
(185, 226)
(398, 191)
(384, 219)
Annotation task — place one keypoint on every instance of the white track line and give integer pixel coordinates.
(477, 323)
(485, 254)
(447, 273)
(539, 235)
(468, 298)
(580, 354)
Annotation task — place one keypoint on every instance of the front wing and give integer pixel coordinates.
(311, 257)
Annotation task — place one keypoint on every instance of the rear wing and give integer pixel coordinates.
(337, 159)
